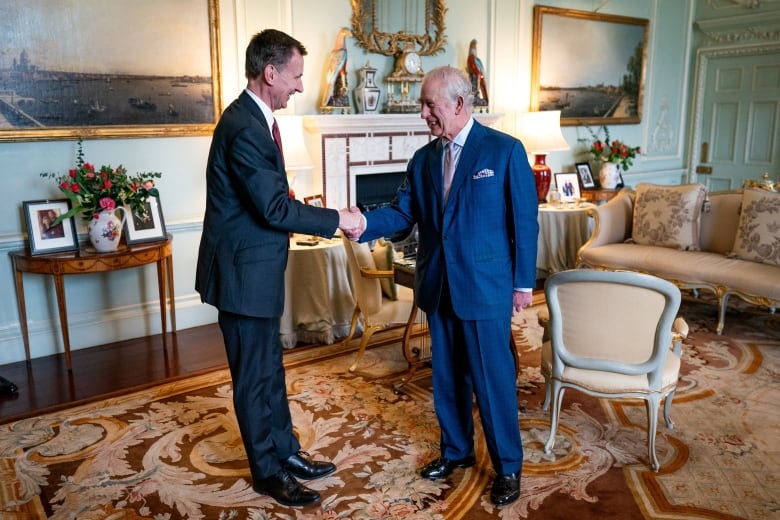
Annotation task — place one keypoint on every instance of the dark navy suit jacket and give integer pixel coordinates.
(486, 234)
(249, 215)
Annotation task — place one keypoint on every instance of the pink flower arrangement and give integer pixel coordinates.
(92, 190)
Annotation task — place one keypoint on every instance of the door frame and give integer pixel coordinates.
(703, 57)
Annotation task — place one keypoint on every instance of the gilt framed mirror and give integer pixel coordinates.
(386, 26)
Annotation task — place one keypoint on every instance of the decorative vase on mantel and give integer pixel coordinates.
(609, 175)
(367, 93)
(105, 230)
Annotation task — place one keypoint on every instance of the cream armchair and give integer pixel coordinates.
(378, 312)
(613, 335)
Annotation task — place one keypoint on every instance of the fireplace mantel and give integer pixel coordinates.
(373, 123)
(360, 144)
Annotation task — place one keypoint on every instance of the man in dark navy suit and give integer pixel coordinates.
(472, 195)
(243, 255)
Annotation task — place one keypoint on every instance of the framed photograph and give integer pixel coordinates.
(86, 68)
(587, 181)
(590, 66)
(43, 235)
(568, 185)
(315, 200)
(146, 227)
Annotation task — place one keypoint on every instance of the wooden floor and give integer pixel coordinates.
(46, 384)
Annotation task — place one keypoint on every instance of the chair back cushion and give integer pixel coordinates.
(368, 291)
(621, 327)
(384, 255)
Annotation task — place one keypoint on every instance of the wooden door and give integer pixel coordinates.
(738, 114)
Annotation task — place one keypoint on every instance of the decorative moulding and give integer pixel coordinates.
(757, 26)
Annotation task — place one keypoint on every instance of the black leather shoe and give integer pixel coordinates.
(306, 469)
(283, 488)
(441, 467)
(7, 387)
(506, 489)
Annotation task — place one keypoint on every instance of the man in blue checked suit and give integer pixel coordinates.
(473, 197)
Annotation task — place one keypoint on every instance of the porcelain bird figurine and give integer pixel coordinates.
(336, 91)
(477, 74)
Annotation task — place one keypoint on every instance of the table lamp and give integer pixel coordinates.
(297, 159)
(540, 133)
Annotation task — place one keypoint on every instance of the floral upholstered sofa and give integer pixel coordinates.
(725, 242)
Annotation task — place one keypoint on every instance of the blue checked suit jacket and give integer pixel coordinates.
(484, 239)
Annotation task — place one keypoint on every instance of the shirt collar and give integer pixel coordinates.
(267, 112)
(460, 139)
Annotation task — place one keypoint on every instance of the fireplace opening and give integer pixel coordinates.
(377, 190)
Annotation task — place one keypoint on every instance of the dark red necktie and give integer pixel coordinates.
(278, 139)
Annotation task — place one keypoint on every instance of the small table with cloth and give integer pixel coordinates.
(318, 299)
(562, 231)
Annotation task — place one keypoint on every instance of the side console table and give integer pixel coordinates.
(597, 196)
(87, 261)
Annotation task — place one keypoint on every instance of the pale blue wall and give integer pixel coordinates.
(106, 308)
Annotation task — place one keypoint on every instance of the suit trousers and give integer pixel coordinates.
(259, 391)
(472, 358)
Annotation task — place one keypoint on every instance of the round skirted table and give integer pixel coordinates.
(318, 299)
(563, 230)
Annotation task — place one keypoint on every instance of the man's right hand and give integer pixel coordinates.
(352, 222)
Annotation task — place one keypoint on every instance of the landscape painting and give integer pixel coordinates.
(590, 66)
(108, 68)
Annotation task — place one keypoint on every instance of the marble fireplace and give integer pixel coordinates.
(353, 146)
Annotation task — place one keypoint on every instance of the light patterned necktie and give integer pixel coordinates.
(449, 167)
(277, 139)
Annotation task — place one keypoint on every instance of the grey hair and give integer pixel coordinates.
(455, 83)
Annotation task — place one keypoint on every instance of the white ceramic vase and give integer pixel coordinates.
(105, 230)
(367, 93)
(609, 175)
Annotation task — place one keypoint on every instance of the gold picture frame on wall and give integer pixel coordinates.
(590, 66)
(89, 69)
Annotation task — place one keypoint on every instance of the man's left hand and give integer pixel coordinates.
(521, 300)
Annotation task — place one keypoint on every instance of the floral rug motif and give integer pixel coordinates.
(174, 451)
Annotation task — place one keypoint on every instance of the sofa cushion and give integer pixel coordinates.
(758, 232)
(667, 216)
(384, 254)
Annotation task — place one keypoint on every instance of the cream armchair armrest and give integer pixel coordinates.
(612, 221)
(365, 272)
(679, 333)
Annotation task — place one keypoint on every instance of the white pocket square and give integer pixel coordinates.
(481, 174)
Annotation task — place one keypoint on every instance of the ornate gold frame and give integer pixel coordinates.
(586, 21)
(390, 44)
(142, 130)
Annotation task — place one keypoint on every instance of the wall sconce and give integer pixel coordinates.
(540, 133)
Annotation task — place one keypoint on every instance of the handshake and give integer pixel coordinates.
(352, 222)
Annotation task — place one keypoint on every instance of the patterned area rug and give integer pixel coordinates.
(174, 452)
